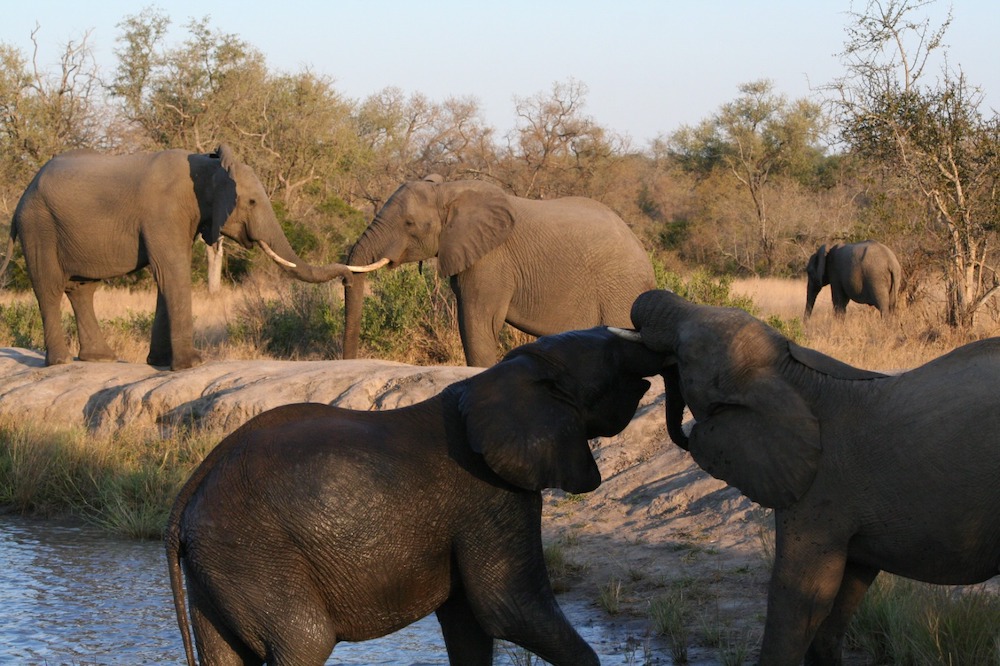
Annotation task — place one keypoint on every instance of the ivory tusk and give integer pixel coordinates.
(368, 268)
(626, 334)
(271, 253)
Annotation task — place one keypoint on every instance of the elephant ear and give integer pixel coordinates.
(821, 264)
(767, 446)
(224, 194)
(476, 220)
(526, 429)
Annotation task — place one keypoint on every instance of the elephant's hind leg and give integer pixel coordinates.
(93, 346)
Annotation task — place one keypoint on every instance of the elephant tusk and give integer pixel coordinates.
(271, 253)
(626, 334)
(369, 267)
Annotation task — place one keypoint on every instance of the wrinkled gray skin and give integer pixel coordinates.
(312, 524)
(540, 266)
(87, 216)
(867, 273)
(865, 472)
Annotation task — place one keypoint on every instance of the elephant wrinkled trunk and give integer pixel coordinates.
(306, 272)
(354, 296)
(811, 294)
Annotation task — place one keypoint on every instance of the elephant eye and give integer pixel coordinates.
(253, 202)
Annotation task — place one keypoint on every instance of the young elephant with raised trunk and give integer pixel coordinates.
(312, 524)
(866, 472)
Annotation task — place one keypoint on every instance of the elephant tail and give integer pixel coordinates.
(175, 551)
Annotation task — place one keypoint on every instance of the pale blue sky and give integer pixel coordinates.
(649, 65)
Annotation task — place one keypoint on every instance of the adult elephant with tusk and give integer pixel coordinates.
(88, 216)
(542, 267)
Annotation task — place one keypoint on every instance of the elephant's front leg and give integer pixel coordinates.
(93, 346)
(827, 647)
(482, 310)
(807, 575)
(466, 641)
(172, 340)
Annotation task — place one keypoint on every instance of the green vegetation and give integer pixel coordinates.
(904, 622)
(124, 482)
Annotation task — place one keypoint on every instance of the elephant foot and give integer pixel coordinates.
(58, 358)
(176, 362)
(99, 357)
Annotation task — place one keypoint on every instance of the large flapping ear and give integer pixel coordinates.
(767, 444)
(223, 194)
(527, 433)
(476, 220)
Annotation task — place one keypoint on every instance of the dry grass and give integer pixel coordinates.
(916, 335)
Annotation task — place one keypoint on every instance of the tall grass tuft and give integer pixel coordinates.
(124, 482)
(904, 622)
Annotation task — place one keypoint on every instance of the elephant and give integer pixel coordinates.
(867, 273)
(542, 267)
(311, 524)
(88, 216)
(866, 472)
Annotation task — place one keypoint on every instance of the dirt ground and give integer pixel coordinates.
(659, 532)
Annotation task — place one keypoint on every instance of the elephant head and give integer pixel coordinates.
(754, 426)
(241, 210)
(817, 277)
(456, 222)
(532, 414)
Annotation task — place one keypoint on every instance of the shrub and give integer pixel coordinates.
(305, 321)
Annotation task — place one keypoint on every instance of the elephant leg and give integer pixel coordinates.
(806, 579)
(216, 643)
(173, 325)
(840, 300)
(93, 346)
(48, 283)
(827, 647)
(159, 344)
(482, 309)
(467, 642)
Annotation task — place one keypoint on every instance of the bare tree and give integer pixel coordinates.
(932, 135)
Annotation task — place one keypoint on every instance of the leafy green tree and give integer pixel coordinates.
(754, 139)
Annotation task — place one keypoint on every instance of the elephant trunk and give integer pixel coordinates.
(368, 251)
(811, 293)
(316, 274)
(675, 406)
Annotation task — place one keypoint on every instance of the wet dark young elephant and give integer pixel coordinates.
(867, 273)
(362, 522)
(540, 266)
(865, 472)
(88, 216)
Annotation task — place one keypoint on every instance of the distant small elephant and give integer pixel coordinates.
(87, 217)
(865, 472)
(312, 524)
(866, 272)
(542, 267)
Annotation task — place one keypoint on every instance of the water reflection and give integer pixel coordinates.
(74, 595)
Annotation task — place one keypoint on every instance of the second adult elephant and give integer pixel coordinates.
(87, 217)
(540, 266)
(866, 272)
